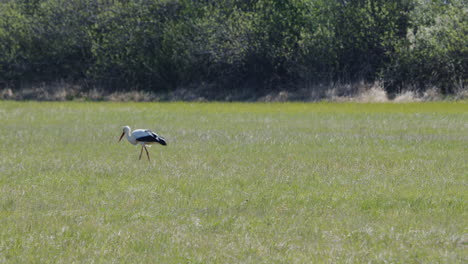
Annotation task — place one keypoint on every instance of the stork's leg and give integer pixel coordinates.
(141, 152)
(147, 154)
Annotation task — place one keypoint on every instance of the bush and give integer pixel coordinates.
(162, 45)
(435, 52)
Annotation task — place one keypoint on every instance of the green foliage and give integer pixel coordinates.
(15, 41)
(166, 44)
(352, 40)
(435, 52)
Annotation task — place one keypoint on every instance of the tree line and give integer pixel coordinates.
(162, 45)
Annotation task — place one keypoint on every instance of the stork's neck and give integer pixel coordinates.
(130, 137)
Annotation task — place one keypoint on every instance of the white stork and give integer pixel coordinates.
(143, 137)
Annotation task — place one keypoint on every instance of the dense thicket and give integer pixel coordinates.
(161, 45)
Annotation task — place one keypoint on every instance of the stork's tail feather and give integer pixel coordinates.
(161, 141)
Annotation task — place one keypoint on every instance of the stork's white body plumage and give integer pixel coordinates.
(142, 137)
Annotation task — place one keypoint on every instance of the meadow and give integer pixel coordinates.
(237, 183)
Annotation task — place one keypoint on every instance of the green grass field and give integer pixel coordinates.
(237, 183)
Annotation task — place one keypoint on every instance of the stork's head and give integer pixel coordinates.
(125, 130)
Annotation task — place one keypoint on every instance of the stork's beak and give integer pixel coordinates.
(121, 136)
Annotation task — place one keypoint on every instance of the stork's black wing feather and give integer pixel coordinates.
(152, 137)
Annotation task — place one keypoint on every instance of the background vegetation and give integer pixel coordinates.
(237, 183)
(162, 45)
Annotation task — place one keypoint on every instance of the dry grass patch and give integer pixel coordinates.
(362, 92)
